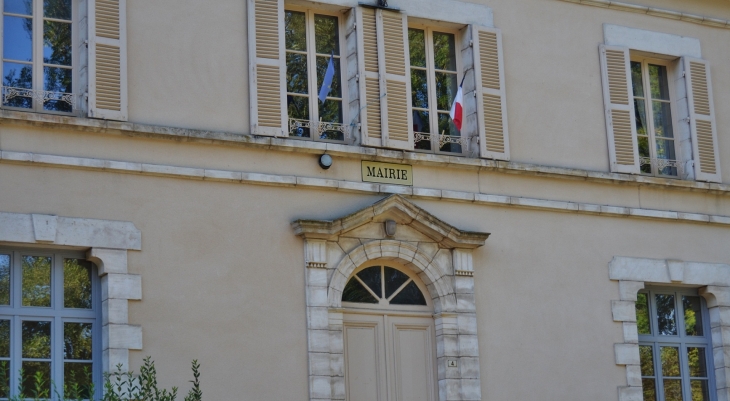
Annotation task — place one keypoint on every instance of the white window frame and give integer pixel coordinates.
(384, 305)
(672, 67)
(434, 137)
(313, 91)
(37, 63)
(56, 313)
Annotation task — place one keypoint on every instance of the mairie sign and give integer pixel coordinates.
(387, 173)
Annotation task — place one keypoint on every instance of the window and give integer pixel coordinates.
(434, 82)
(383, 285)
(674, 346)
(653, 110)
(49, 326)
(39, 58)
(311, 40)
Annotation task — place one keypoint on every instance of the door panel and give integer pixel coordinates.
(413, 359)
(365, 359)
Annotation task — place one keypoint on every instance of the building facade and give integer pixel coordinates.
(278, 189)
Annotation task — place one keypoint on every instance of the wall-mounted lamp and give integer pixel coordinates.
(325, 161)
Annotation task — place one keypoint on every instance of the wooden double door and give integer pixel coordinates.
(389, 358)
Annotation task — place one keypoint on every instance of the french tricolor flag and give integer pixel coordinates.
(457, 109)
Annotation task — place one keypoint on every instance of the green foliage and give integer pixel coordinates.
(118, 386)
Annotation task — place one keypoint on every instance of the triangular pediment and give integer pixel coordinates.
(398, 209)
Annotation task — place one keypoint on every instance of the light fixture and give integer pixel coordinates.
(325, 161)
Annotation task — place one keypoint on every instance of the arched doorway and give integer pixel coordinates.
(389, 336)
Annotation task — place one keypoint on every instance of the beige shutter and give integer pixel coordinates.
(618, 102)
(267, 67)
(490, 92)
(702, 120)
(368, 84)
(108, 59)
(395, 92)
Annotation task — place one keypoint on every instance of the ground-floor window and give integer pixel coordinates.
(674, 345)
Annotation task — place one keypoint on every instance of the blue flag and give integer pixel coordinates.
(327, 83)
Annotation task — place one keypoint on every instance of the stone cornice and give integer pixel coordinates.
(349, 151)
(657, 12)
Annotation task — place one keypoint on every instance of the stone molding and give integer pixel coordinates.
(108, 242)
(369, 188)
(452, 296)
(107, 127)
(657, 12)
(633, 274)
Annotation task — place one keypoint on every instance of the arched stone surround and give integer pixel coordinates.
(439, 254)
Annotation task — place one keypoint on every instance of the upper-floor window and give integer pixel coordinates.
(39, 71)
(434, 83)
(313, 75)
(653, 109)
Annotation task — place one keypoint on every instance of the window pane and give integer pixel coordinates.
(670, 361)
(4, 378)
(658, 82)
(692, 316)
(672, 390)
(697, 362)
(640, 111)
(36, 281)
(37, 375)
(421, 122)
(410, 295)
(326, 34)
(24, 7)
(295, 34)
(297, 80)
(76, 284)
(649, 387)
(643, 143)
(393, 280)
(36, 339)
(643, 321)
(444, 51)
(77, 341)
(17, 76)
(666, 315)
(637, 80)
(4, 338)
(18, 38)
(298, 107)
(336, 87)
(417, 47)
(646, 355)
(57, 80)
(4, 279)
(331, 112)
(419, 88)
(665, 149)
(59, 9)
(355, 292)
(57, 43)
(371, 278)
(447, 127)
(699, 390)
(662, 119)
(446, 87)
(77, 380)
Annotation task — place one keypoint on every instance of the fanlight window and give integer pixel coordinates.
(383, 285)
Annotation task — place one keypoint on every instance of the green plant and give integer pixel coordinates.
(195, 393)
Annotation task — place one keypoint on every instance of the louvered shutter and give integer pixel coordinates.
(267, 67)
(108, 59)
(490, 93)
(618, 102)
(395, 92)
(702, 119)
(369, 82)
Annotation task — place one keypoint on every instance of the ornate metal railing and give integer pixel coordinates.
(442, 139)
(297, 126)
(661, 164)
(9, 92)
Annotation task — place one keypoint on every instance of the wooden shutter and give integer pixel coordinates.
(369, 82)
(108, 59)
(267, 67)
(395, 91)
(702, 119)
(490, 92)
(618, 102)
